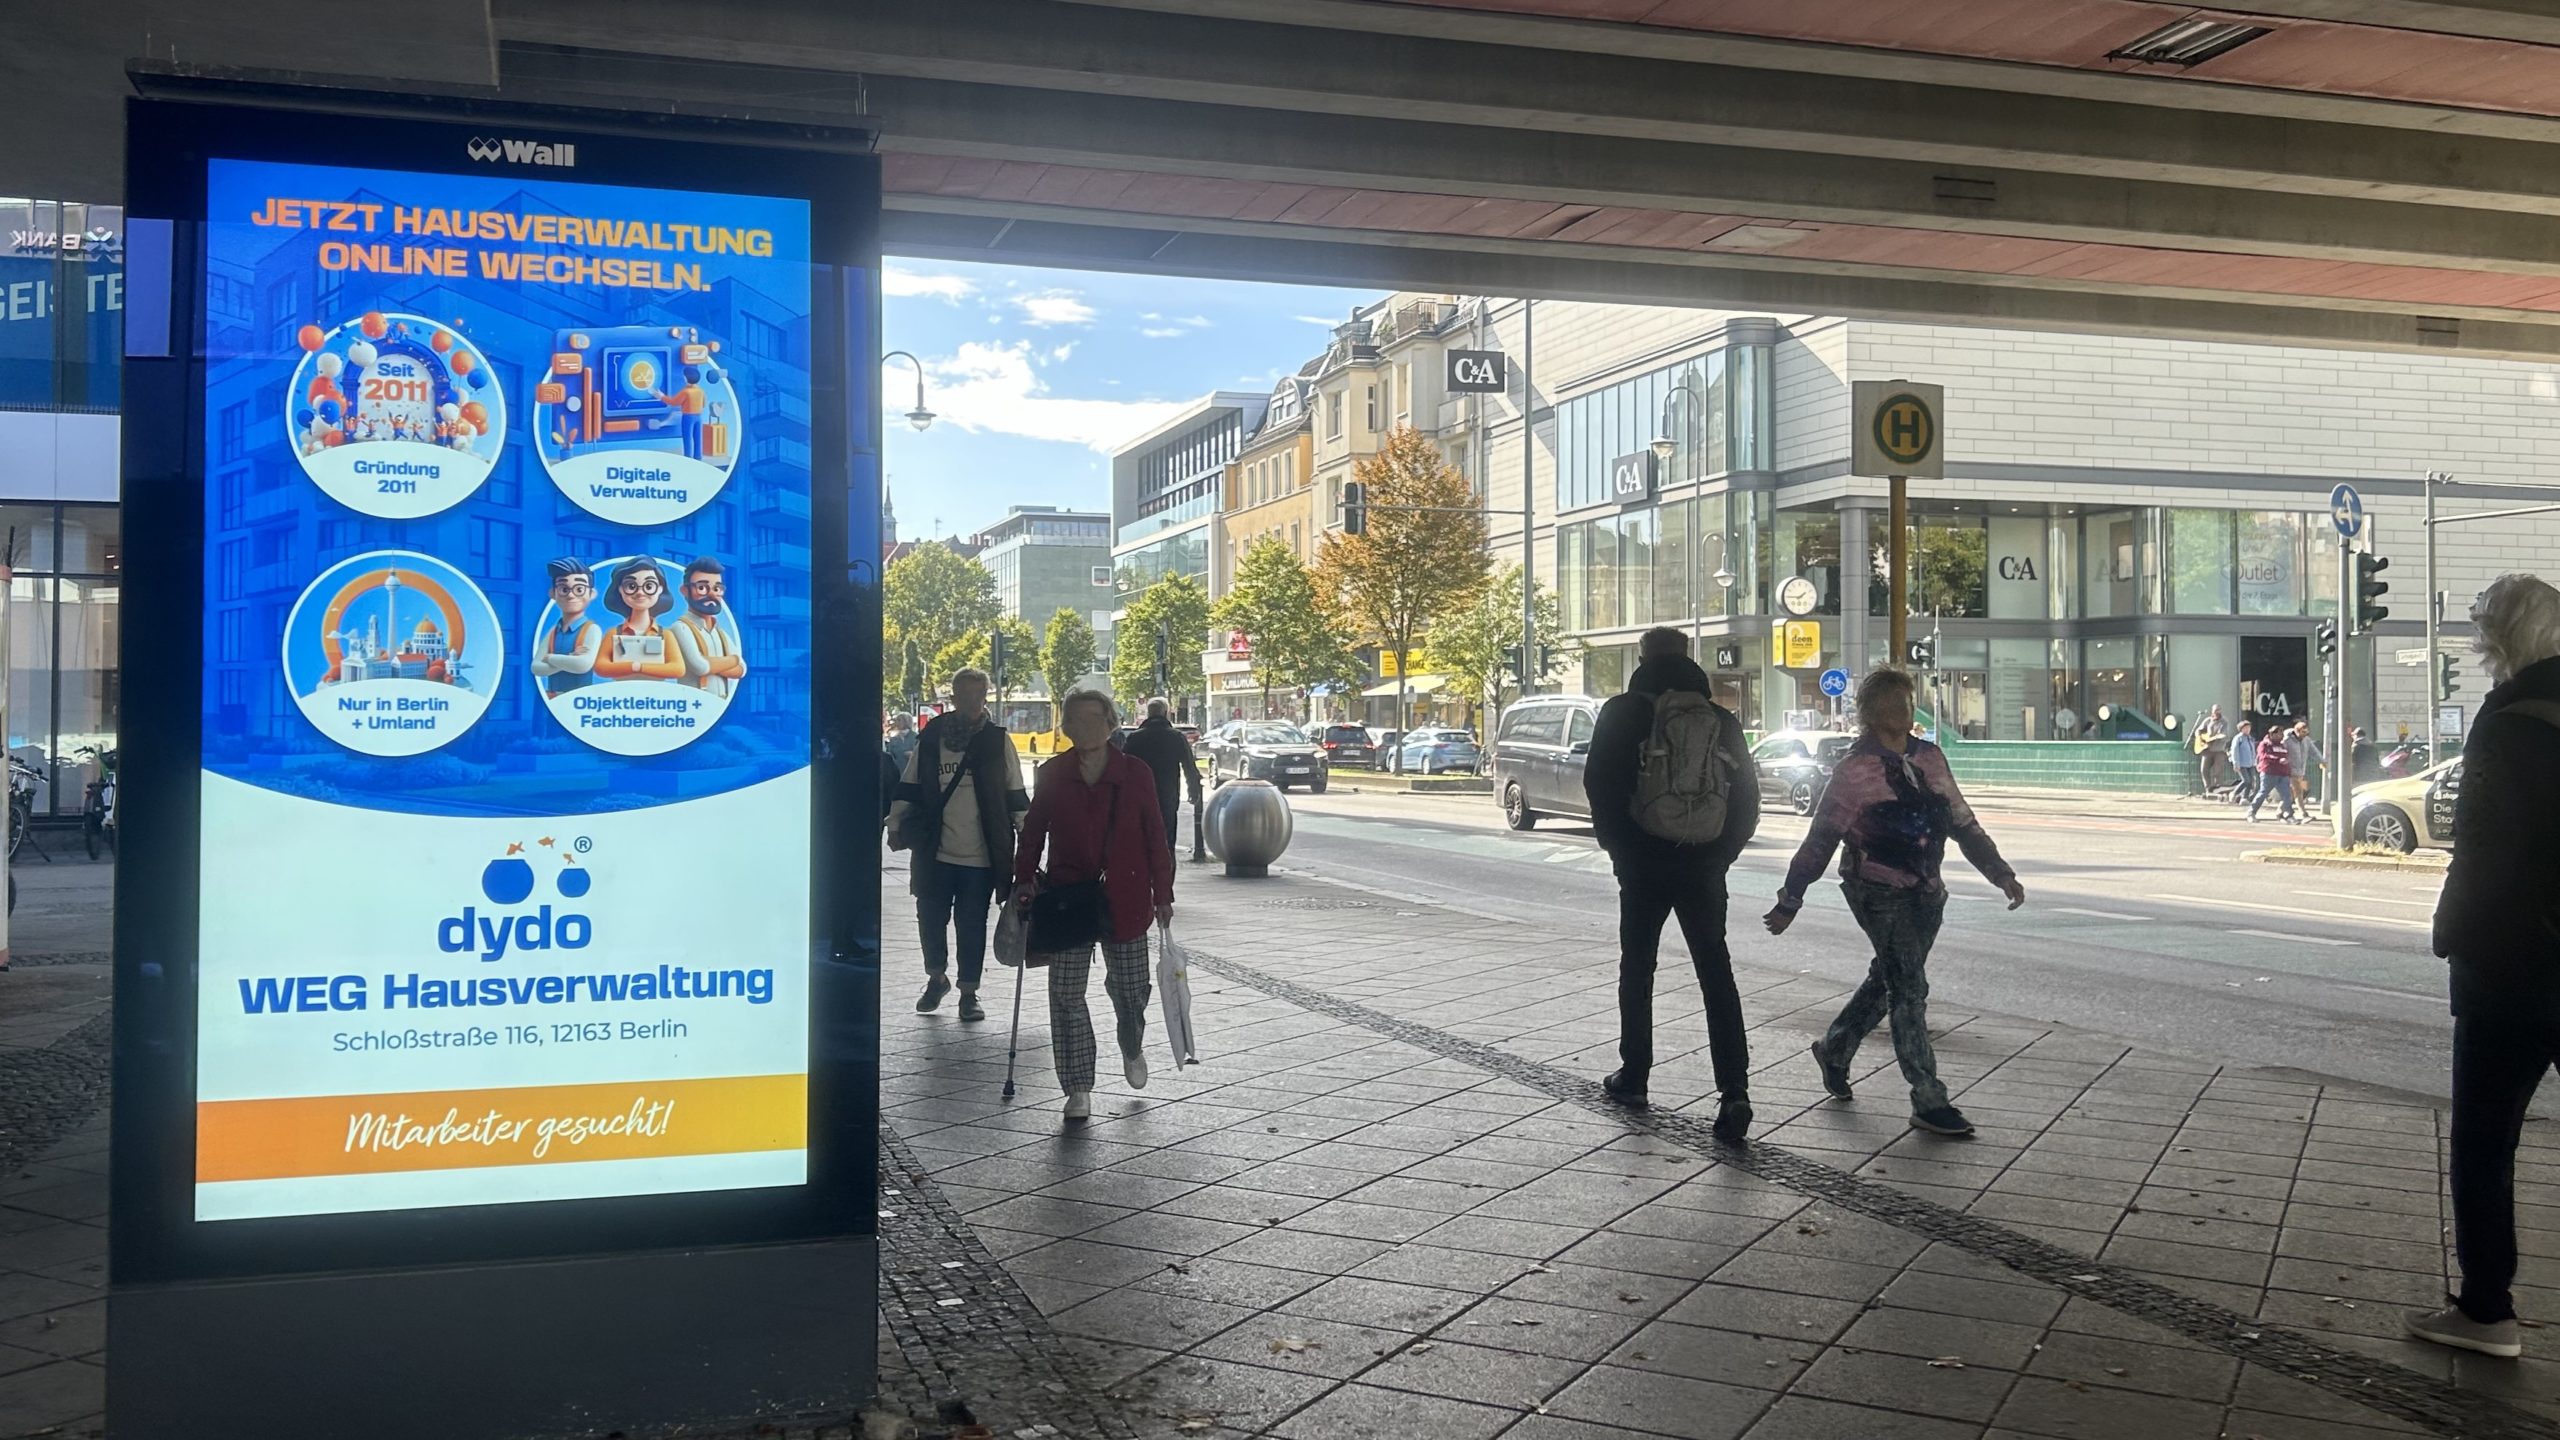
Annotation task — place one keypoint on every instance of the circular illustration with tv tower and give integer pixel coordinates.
(393, 653)
(394, 415)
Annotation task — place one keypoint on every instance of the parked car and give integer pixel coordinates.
(1538, 755)
(2409, 812)
(1266, 750)
(1347, 745)
(1439, 752)
(1794, 765)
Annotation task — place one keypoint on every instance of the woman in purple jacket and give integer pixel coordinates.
(1892, 805)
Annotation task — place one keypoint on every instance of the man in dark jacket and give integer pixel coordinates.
(960, 800)
(1658, 878)
(1168, 753)
(2498, 922)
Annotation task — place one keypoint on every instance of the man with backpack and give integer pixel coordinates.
(1674, 798)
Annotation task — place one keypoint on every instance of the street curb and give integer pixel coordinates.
(1415, 785)
(2347, 862)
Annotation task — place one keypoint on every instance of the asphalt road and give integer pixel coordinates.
(2153, 930)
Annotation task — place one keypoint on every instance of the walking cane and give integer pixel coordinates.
(1013, 1046)
(1199, 833)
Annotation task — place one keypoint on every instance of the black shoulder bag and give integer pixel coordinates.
(1067, 918)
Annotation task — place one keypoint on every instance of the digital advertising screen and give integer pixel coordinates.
(503, 882)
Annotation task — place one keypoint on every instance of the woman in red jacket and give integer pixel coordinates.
(1094, 809)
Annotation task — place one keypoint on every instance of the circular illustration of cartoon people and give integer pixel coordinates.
(639, 424)
(394, 415)
(393, 653)
(638, 655)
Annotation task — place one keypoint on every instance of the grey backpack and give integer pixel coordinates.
(1683, 777)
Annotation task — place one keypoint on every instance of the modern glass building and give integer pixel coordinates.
(61, 352)
(2125, 523)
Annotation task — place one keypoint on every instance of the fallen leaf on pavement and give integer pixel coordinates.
(2088, 1279)
(1943, 1362)
(2115, 1370)
(1294, 1345)
(1628, 1297)
(1417, 1347)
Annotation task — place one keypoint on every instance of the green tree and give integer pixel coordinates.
(1296, 641)
(1177, 603)
(911, 676)
(1475, 645)
(1423, 557)
(933, 595)
(1021, 653)
(1068, 655)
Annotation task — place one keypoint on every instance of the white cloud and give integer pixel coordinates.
(1058, 355)
(1326, 321)
(1171, 327)
(949, 289)
(997, 388)
(1054, 307)
(1162, 332)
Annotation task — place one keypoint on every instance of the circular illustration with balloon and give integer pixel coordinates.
(638, 424)
(395, 415)
(393, 653)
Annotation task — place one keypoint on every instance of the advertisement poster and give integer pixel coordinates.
(506, 735)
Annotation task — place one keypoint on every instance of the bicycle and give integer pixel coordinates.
(23, 780)
(98, 800)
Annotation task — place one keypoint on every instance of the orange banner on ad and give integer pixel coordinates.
(532, 1125)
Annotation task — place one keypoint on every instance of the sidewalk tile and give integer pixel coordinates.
(1803, 1275)
(1534, 1329)
(2051, 1407)
(1260, 1287)
(1246, 1397)
(1368, 1412)
(1953, 1390)
(1802, 1417)
(1171, 1234)
(1472, 1271)
(1590, 1287)
(2130, 1365)
(45, 1396)
(1237, 1205)
(1981, 1299)
(1896, 1331)
(1302, 1345)
(1754, 1361)
(1384, 1304)
(1143, 1317)
(1651, 1402)
(1461, 1372)
(1526, 1238)
(2172, 1258)
(1813, 1319)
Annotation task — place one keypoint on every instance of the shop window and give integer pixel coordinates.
(92, 540)
(2200, 562)
(2269, 565)
(2113, 564)
(1808, 544)
(1635, 568)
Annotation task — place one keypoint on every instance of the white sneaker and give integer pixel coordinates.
(1134, 1065)
(1079, 1104)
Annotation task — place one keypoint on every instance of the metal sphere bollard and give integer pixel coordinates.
(1249, 825)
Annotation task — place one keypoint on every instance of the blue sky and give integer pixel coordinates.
(1035, 375)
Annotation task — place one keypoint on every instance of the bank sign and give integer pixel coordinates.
(506, 728)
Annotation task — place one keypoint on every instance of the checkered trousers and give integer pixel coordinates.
(1124, 979)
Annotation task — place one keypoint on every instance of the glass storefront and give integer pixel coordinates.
(1183, 554)
(63, 628)
(61, 305)
(1714, 408)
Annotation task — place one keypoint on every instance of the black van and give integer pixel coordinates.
(1538, 754)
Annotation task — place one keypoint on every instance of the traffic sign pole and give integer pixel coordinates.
(1896, 567)
(2340, 762)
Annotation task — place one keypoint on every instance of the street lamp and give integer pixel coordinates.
(919, 417)
(1664, 447)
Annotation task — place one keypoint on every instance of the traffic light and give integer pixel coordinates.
(2328, 638)
(2369, 590)
(1516, 660)
(1164, 656)
(1355, 508)
(1923, 654)
(2444, 678)
(995, 657)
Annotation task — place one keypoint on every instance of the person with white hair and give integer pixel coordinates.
(958, 799)
(2498, 923)
(1108, 877)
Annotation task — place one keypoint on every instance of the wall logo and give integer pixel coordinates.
(510, 881)
(520, 152)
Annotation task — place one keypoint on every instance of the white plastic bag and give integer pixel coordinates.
(1013, 933)
(1173, 998)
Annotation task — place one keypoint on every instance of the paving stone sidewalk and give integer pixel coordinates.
(1393, 1203)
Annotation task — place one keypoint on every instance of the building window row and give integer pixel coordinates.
(1714, 408)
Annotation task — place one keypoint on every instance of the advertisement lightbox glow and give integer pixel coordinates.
(506, 733)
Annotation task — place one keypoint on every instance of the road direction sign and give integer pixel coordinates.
(1835, 682)
(2346, 511)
